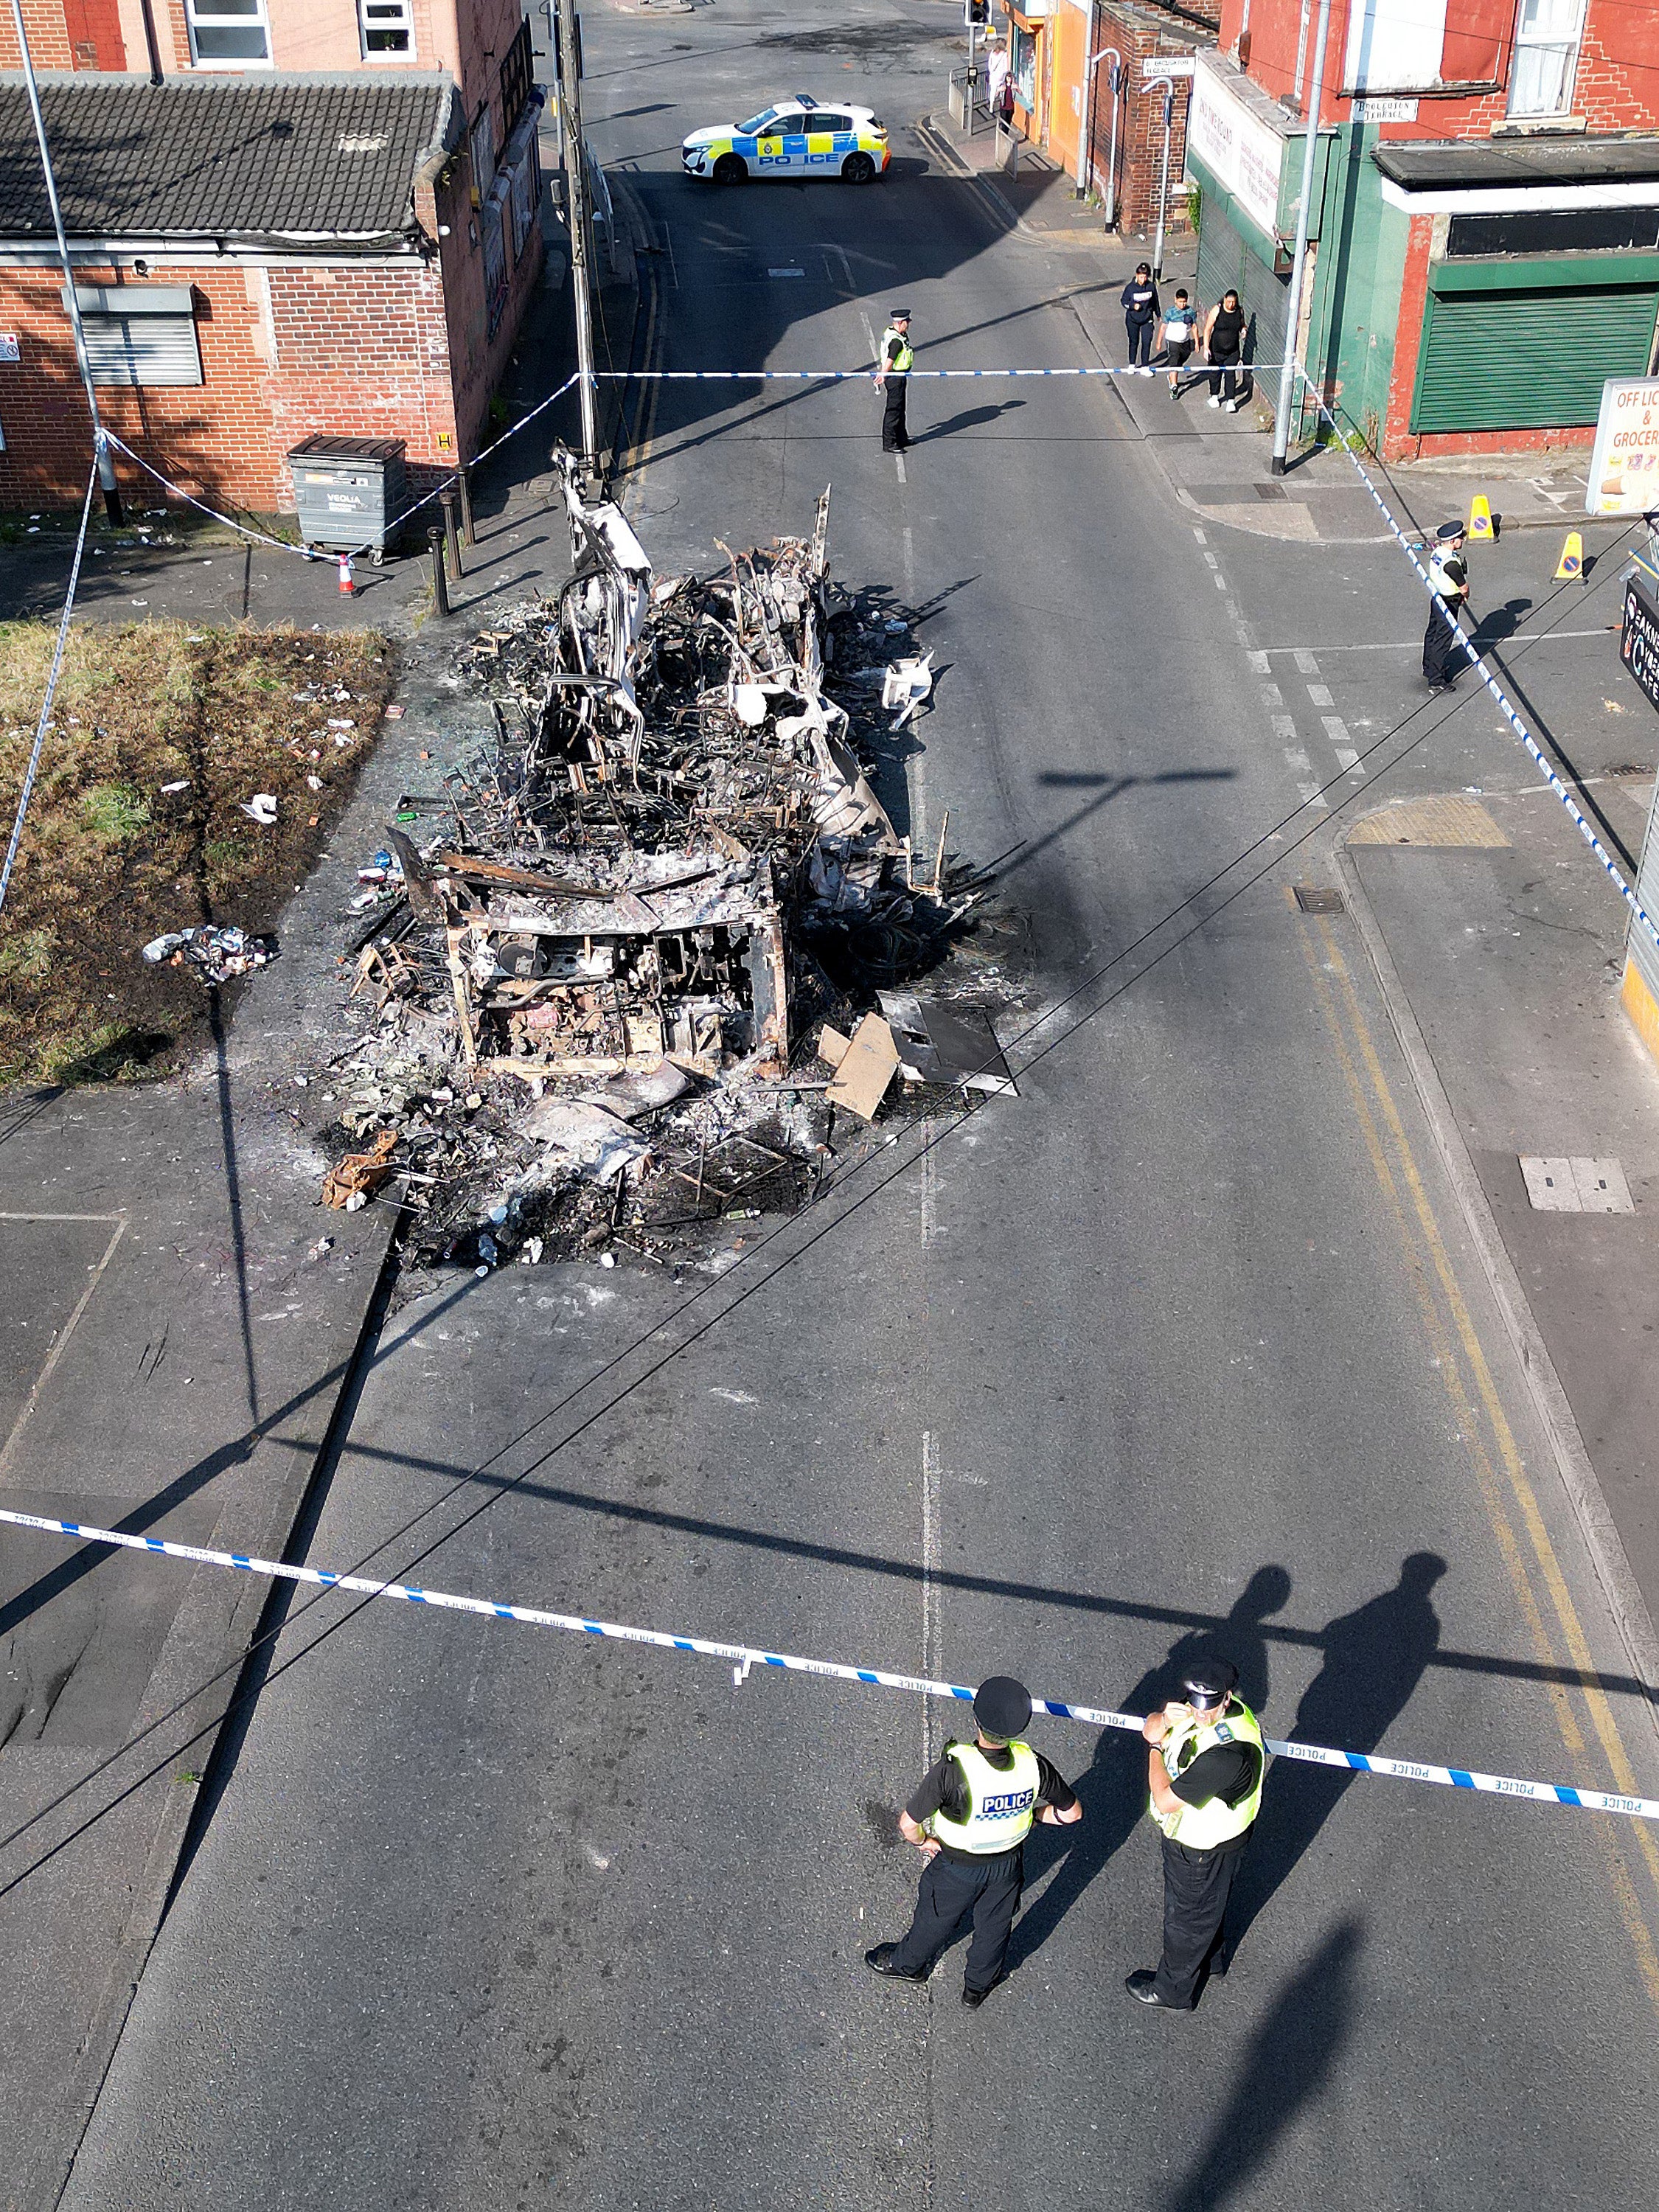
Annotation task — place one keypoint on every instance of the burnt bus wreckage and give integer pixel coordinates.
(669, 868)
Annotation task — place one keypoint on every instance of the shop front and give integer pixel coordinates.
(1030, 65)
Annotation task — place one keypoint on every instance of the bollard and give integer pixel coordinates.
(468, 534)
(451, 535)
(435, 538)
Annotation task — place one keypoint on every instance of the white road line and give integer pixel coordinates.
(1201, 538)
(1336, 729)
(1410, 644)
(1320, 694)
(909, 563)
(1285, 730)
(1306, 665)
(929, 1186)
(898, 462)
(929, 1579)
(1350, 760)
(1210, 561)
(1273, 695)
(1259, 663)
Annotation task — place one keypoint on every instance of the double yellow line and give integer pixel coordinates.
(1454, 1343)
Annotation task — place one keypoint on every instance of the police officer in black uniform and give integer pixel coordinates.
(893, 380)
(969, 1820)
(1444, 659)
(1204, 1772)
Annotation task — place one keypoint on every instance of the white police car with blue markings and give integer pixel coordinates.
(794, 137)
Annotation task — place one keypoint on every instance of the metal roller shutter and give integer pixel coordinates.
(1227, 260)
(140, 334)
(1528, 360)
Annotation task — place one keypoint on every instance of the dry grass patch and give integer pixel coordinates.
(112, 857)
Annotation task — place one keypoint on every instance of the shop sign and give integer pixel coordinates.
(1624, 469)
(1638, 644)
(1241, 152)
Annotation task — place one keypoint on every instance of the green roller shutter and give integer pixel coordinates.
(1228, 260)
(1532, 360)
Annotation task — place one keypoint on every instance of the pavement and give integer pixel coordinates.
(1205, 1340)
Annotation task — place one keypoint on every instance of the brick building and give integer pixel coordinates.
(317, 219)
(1485, 214)
(1050, 45)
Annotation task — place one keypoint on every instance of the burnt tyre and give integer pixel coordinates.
(731, 169)
(857, 169)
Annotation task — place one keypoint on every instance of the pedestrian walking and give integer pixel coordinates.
(1444, 658)
(1139, 299)
(996, 77)
(1224, 342)
(1180, 336)
(893, 378)
(969, 1819)
(1204, 1768)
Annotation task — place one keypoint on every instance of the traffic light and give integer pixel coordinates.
(976, 14)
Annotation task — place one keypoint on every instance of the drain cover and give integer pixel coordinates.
(1270, 491)
(1575, 1186)
(1318, 898)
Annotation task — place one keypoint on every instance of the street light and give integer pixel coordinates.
(1299, 261)
(1168, 83)
(1111, 158)
(1083, 164)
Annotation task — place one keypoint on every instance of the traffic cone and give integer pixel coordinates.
(1570, 568)
(348, 589)
(1480, 525)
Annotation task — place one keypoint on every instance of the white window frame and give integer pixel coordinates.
(210, 18)
(393, 15)
(1538, 41)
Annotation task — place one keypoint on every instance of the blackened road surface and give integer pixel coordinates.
(1184, 1345)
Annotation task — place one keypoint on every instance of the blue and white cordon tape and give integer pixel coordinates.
(744, 1656)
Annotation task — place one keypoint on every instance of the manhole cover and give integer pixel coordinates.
(1319, 898)
(1557, 1185)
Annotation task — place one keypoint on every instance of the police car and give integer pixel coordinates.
(794, 137)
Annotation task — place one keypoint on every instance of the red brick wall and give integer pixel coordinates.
(1616, 89)
(65, 34)
(363, 351)
(1136, 32)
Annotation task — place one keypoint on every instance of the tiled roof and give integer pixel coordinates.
(273, 156)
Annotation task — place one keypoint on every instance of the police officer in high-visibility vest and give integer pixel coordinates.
(1444, 658)
(893, 380)
(1204, 1769)
(969, 1820)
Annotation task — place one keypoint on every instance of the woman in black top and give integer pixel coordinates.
(1223, 342)
(1140, 314)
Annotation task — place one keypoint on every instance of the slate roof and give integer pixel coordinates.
(270, 157)
(1418, 165)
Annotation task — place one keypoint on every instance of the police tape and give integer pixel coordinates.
(742, 1658)
(1500, 697)
(1192, 371)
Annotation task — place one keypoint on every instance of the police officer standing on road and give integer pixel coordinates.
(969, 1819)
(1204, 1770)
(893, 379)
(1448, 580)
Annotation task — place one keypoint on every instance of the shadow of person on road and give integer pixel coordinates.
(1374, 1658)
(1294, 2051)
(1114, 1789)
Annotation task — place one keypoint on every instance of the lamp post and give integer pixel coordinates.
(1083, 164)
(1168, 83)
(1299, 260)
(582, 225)
(1111, 158)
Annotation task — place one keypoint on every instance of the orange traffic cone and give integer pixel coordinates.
(348, 589)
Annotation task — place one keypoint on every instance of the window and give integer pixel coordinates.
(386, 29)
(1547, 34)
(482, 144)
(229, 34)
(518, 74)
(143, 334)
(1395, 46)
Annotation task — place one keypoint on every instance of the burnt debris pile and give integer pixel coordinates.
(656, 971)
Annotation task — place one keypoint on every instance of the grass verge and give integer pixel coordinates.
(159, 734)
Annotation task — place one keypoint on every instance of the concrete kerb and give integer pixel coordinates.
(1577, 1472)
(212, 1629)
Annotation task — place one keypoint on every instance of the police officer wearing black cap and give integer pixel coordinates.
(1204, 1770)
(969, 1820)
(1444, 659)
(893, 380)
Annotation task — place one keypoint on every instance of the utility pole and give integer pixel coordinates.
(1168, 83)
(581, 224)
(1299, 260)
(107, 482)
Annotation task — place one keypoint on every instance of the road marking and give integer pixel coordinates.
(1273, 696)
(1305, 660)
(1412, 644)
(1201, 538)
(60, 1343)
(929, 1581)
(910, 558)
(1219, 581)
(1321, 695)
(1259, 663)
(898, 463)
(1210, 561)
(929, 1184)
(1425, 1256)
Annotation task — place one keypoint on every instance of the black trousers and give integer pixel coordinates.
(894, 436)
(1197, 1887)
(1444, 658)
(1140, 329)
(1226, 378)
(951, 1889)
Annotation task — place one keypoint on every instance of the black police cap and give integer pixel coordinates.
(1209, 1681)
(898, 314)
(1003, 1706)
